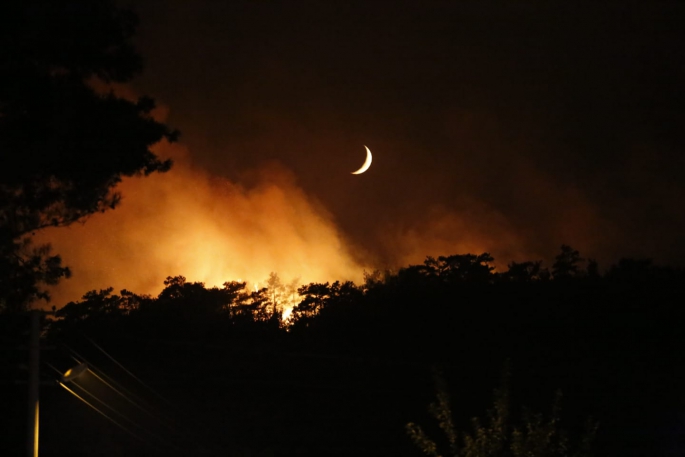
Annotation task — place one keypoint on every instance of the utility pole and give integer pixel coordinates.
(34, 383)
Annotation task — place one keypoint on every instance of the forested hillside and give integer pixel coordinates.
(353, 364)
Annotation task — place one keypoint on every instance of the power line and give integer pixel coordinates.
(130, 432)
(127, 371)
(128, 395)
(122, 415)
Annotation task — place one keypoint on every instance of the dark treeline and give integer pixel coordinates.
(610, 340)
(571, 292)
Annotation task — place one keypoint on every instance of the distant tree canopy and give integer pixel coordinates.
(566, 263)
(182, 309)
(64, 145)
(465, 284)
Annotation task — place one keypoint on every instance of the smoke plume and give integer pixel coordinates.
(188, 222)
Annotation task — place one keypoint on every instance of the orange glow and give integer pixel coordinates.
(287, 313)
(208, 229)
(474, 230)
(192, 223)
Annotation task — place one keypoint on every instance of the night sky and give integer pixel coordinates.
(502, 126)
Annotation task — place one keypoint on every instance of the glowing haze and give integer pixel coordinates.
(500, 127)
(187, 222)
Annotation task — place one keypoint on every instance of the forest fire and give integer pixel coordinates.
(256, 296)
(207, 229)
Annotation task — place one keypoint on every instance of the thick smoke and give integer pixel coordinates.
(188, 222)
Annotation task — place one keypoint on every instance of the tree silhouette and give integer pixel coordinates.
(566, 263)
(323, 300)
(248, 307)
(277, 292)
(501, 435)
(64, 146)
(314, 296)
(97, 310)
(458, 268)
(525, 271)
(23, 268)
(465, 267)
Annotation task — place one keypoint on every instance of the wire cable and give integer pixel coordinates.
(128, 395)
(127, 371)
(122, 415)
(127, 430)
(106, 405)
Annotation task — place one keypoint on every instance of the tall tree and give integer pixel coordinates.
(566, 263)
(64, 146)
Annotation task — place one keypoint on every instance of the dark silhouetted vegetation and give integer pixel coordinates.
(358, 358)
(66, 140)
(501, 435)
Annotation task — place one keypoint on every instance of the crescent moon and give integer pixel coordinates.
(367, 163)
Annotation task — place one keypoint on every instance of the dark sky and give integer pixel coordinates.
(502, 126)
(550, 121)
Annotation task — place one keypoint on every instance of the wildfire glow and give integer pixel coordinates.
(187, 222)
(287, 313)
